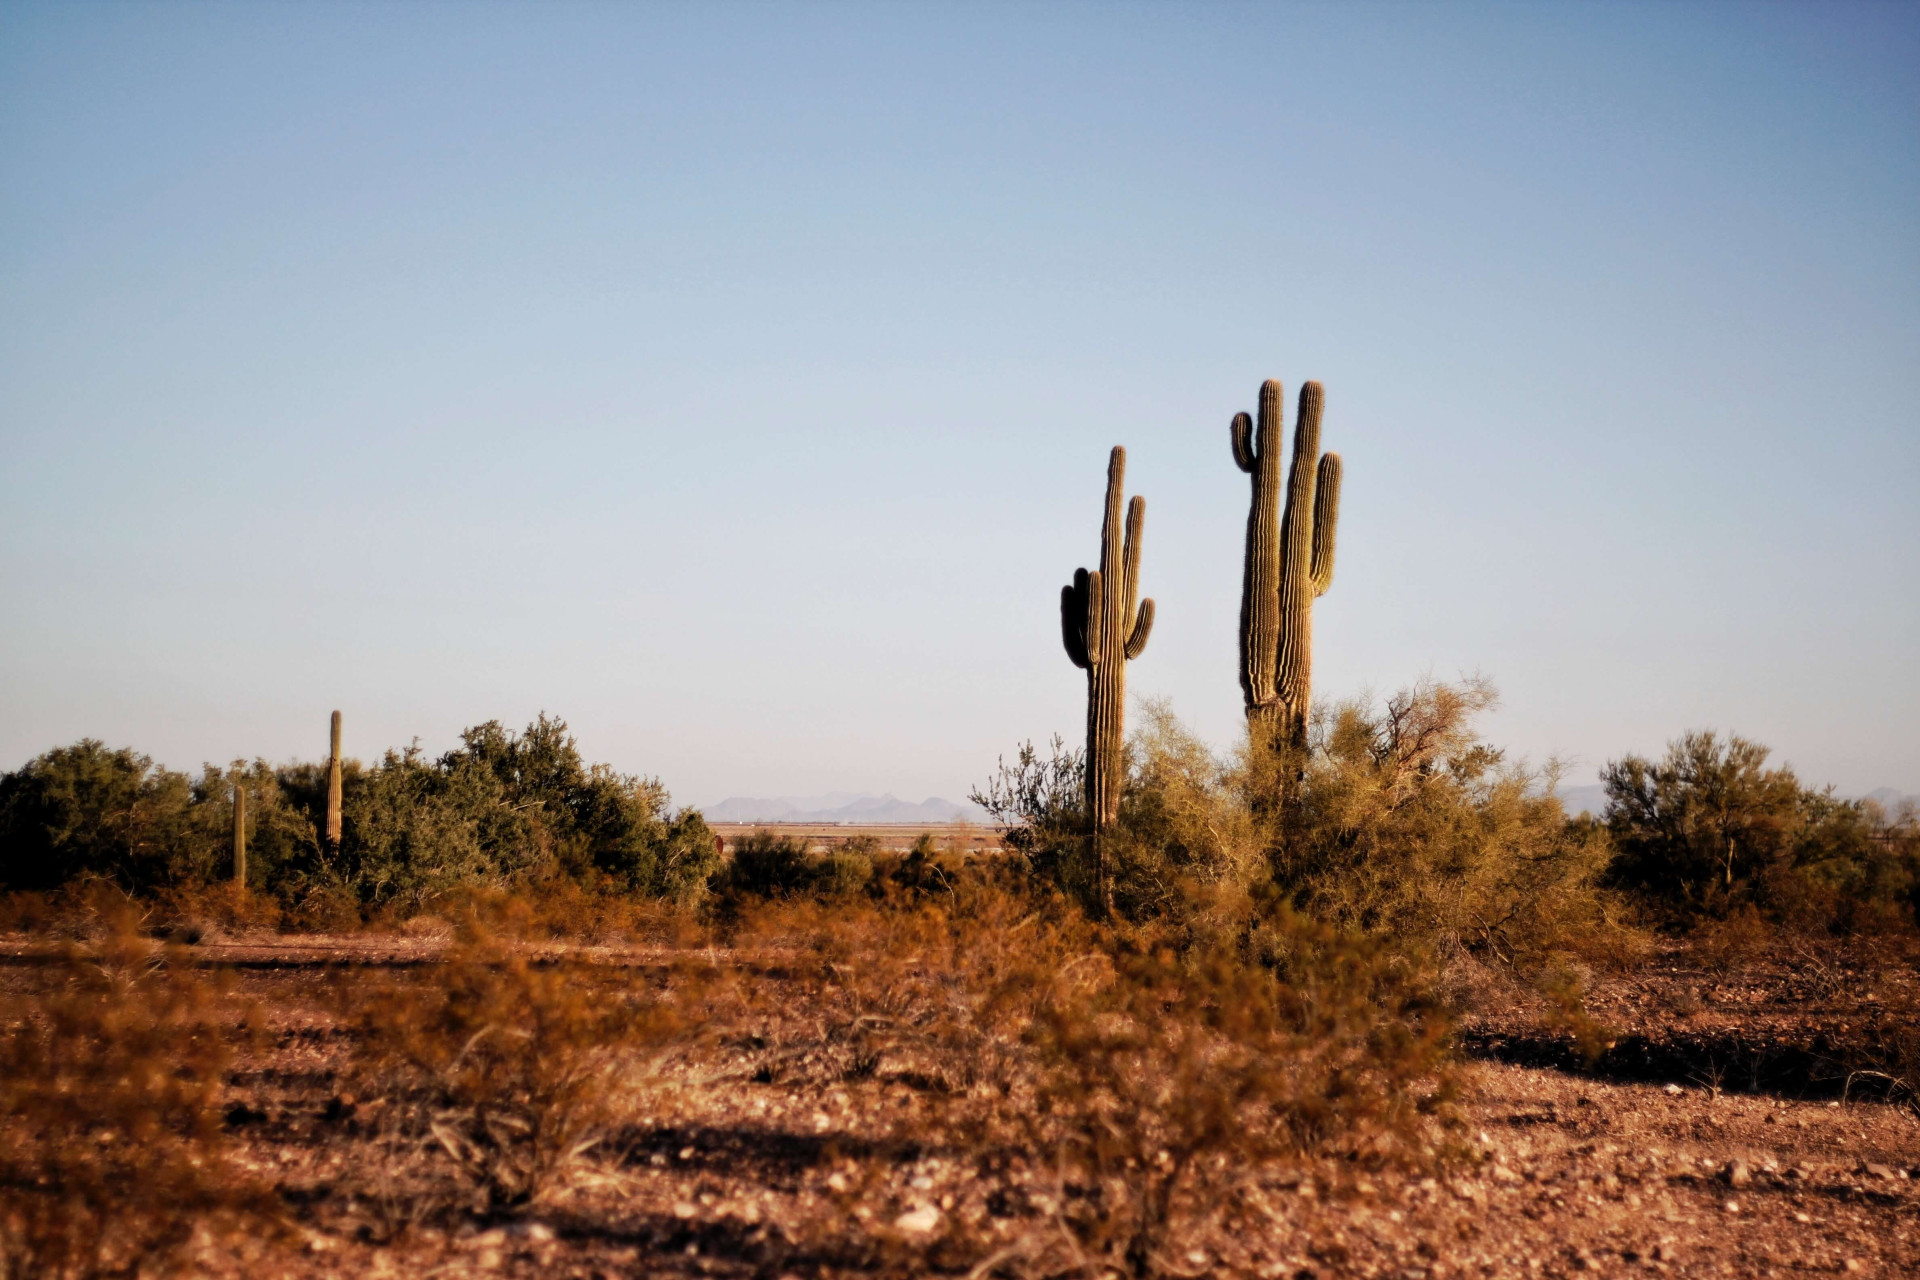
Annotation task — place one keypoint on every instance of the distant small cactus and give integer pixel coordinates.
(1289, 561)
(1102, 632)
(239, 834)
(333, 789)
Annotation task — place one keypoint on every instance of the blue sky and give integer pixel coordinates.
(736, 381)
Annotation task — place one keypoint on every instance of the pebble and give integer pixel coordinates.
(921, 1221)
(1737, 1173)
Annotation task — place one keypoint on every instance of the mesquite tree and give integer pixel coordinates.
(1289, 562)
(1103, 631)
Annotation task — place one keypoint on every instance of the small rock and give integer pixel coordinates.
(837, 1182)
(1737, 1174)
(821, 1123)
(1802, 1219)
(686, 1153)
(1503, 1174)
(922, 1221)
(922, 1183)
(1674, 1089)
(1731, 1206)
(1854, 1264)
(1196, 1257)
(537, 1232)
(1877, 1171)
(683, 1210)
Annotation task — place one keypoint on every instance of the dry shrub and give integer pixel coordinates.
(514, 1069)
(111, 1154)
(1737, 938)
(907, 986)
(1404, 822)
(1161, 1080)
(1148, 1071)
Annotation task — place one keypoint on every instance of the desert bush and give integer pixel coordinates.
(902, 986)
(111, 1078)
(1397, 819)
(1162, 1077)
(513, 1069)
(1182, 823)
(1402, 821)
(1147, 1071)
(88, 810)
(1709, 833)
(503, 809)
(764, 865)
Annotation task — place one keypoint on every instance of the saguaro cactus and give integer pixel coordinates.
(333, 788)
(1289, 561)
(1103, 631)
(239, 835)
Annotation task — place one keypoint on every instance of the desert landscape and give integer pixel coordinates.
(1197, 641)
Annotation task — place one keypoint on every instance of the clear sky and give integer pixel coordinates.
(737, 381)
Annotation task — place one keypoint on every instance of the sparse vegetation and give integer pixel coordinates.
(112, 1074)
(501, 810)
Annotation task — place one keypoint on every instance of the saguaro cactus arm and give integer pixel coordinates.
(1073, 619)
(1142, 628)
(1326, 515)
(1135, 614)
(1080, 618)
(1241, 430)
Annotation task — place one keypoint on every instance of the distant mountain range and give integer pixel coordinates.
(849, 806)
(1593, 798)
(842, 806)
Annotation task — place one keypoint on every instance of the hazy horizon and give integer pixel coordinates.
(736, 382)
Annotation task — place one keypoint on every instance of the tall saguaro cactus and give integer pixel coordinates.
(1103, 629)
(239, 835)
(1289, 561)
(333, 788)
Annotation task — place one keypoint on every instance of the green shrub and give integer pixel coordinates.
(1403, 821)
(1397, 820)
(502, 809)
(85, 810)
(1709, 832)
(764, 865)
